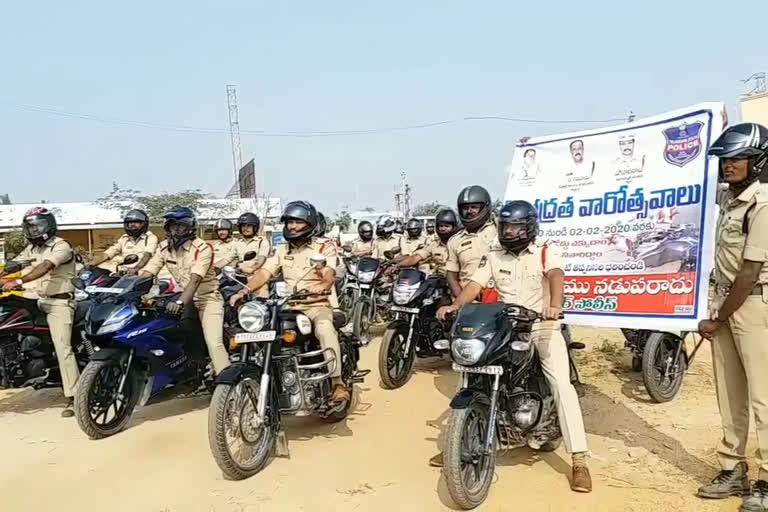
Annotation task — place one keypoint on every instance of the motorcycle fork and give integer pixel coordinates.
(492, 416)
(410, 333)
(125, 374)
(261, 405)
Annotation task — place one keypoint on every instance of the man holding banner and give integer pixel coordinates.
(739, 314)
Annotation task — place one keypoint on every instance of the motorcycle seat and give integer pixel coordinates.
(339, 319)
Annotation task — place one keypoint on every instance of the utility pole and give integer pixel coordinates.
(234, 135)
(631, 117)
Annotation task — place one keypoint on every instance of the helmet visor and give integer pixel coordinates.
(35, 227)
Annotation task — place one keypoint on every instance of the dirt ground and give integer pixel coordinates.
(645, 456)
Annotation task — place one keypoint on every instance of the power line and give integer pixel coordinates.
(290, 133)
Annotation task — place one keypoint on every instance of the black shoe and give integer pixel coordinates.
(757, 499)
(69, 409)
(727, 484)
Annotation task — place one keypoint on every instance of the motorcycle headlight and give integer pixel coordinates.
(467, 352)
(118, 319)
(403, 293)
(80, 295)
(366, 277)
(253, 316)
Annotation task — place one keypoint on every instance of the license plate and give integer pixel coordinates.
(488, 370)
(100, 289)
(365, 286)
(253, 337)
(404, 310)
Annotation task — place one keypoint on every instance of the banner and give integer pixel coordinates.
(247, 180)
(632, 210)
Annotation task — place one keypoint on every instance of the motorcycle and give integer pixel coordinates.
(347, 286)
(27, 353)
(373, 295)
(503, 395)
(415, 331)
(281, 371)
(662, 358)
(144, 353)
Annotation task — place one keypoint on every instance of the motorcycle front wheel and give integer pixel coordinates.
(662, 375)
(240, 447)
(99, 410)
(395, 363)
(468, 471)
(361, 319)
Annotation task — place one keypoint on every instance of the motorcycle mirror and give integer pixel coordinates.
(130, 259)
(228, 271)
(317, 260)
(77, 283)
(163, 286)
(346, 248)
(249, 256)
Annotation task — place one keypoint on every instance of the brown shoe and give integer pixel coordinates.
(436, 461)
(340, 394)
(582, 481)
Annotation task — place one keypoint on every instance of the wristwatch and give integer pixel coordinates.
(19, 282)
(179, 302)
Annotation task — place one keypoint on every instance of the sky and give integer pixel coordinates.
(326, 66)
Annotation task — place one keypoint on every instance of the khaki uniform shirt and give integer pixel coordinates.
(433, 239)
(465, 250)
(59, 280)
(193, 257)
(295, 264)
(224, 252)
(257, 244)
(733, 246)
(520, 279)
(126, 244)
(363, 248)
(436, 255)
(380, 245)
(409, 245)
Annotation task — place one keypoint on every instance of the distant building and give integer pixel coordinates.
(92, 227)
(754, 108)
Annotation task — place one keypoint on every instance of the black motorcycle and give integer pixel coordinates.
(662, 358)
(281, 370)
(415, 331)
(27, 354)
(372, 303)
(503, 395)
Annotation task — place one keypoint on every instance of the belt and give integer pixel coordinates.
(724, 289)
(64, 296)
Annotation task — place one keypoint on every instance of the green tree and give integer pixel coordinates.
(14, 244)
(344, 220)
(496, 207)
(426, 209)
(157, 204)
(5, 199)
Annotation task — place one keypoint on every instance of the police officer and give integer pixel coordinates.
(386, 240)
(522, 276)
(364, 244)
(248, 225)
(739, 313)
(294, 261)
(399, 227)
(471, 243)
(430, 227)
(137, 240)
(189, 260)
(53, 268)
(225, 246)
(414, 240)
(435, 254)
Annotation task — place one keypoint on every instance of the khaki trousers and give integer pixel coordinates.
(211, 311)
(553, 354)
(322, 323)
(740, 363)
(59, 314)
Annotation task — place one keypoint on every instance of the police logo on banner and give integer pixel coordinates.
(683, 143)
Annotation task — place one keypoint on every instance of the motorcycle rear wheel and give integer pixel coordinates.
(659, 350)
(96, 394)
(395, 365)
(468, 472)
(229, 414)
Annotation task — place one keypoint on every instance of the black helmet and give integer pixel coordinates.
(385, 226)
(38, 225)
(399, 227)
(223, 225)
(365, 230)
(446, 216)
(474, 195)
(322, 225)
(414, 228)
(136, 216)
(521, 213)
(299, 210)
(184, 216)
(248, 219)
(745, 140)
(430, 227)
